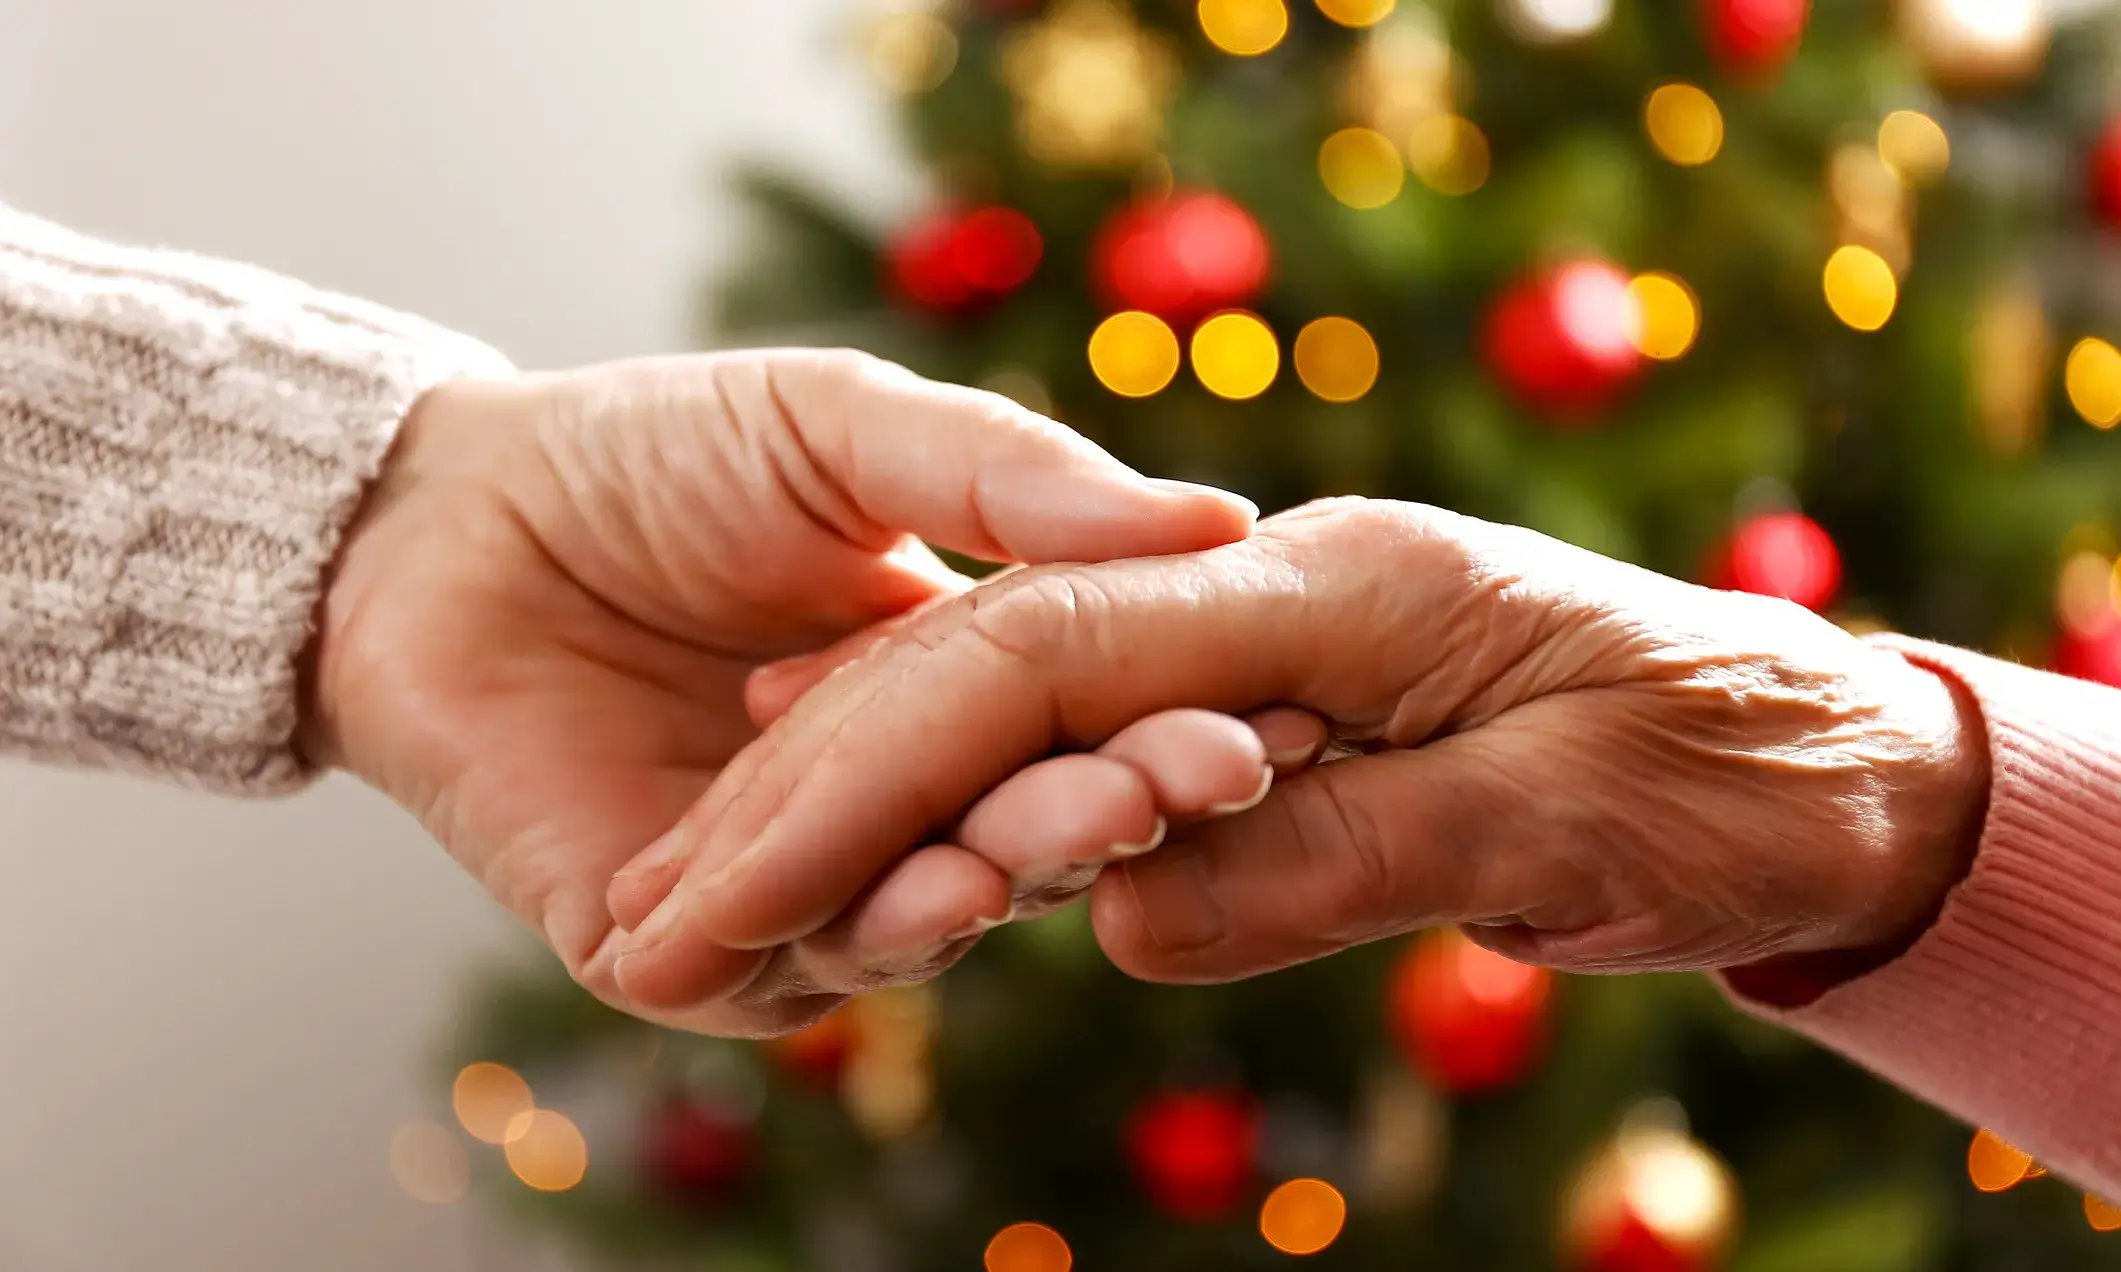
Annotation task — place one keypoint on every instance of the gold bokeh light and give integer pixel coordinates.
(1684, 124)
(1860, 288)
(487, 1099)
(1667, 317)
(1303, 1216)
(1236, 356)
(429, 1163)
(1244, 28)
(1134, 354)
(546, 1152)
(1336, 359)
(1362, 168)
(2093, 378)
(1994, 1165)
(1914, 146)
(1028, 1247)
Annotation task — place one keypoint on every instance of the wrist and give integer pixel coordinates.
(413, 457)
(1938, 813)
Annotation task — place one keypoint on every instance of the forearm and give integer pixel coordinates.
(2003, 1011)
(181, 443)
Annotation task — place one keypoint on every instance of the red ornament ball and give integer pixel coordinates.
(696, 1151)
(1753, 38)
(954, 263)
(2103, 175)
(1468, 1019)
(1655, 1201)
(1181, 258)
(1563, 342)
(2093, 654)
(1785, 554)
(817, 1054)
(1195, 1152)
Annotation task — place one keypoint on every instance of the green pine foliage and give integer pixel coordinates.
(1043, 1049)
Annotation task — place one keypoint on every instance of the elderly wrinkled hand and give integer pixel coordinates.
(1592, 766)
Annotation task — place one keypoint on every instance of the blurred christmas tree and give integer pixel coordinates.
(1647, 276)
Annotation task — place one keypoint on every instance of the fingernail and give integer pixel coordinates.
(1195, 490)
(979, 927)
(1120, 852)
(1177, 905)
(1266, 783)
(1296, 757)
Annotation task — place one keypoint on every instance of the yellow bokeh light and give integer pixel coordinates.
(1667, 317)
(487, 1098)
(1994, 1165)
(1860, 288)
(2093, 377)
(1244, 28)
(912, 52)
(1303, 1216)
(1336, 359)
(1236, 356)
(1357, 13)
(1361, 168)
(1028, 1247)
(547, 1152)
(1914, 146)
(2084, 593)
(1683, 124)
(2104, 1216)
(429, 1163)
(1134, 354)
(1449, 154)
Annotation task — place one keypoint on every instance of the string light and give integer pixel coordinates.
(1449, 154)
(912, 52)
(1361, 168)
(1684, 124)
(1236, 356)
(1357, 13)
(429, 1163)
(1028, 1247)
(1555, 21)
(1244, 28)
(1668, 318)
(1402, 74)
(1091, 85)
(1134, 354)
(488, 1098)
(1860, 288)
(2104, 1216)
(1994, 1165)
(1303, 1216)
(2013, 354)
(546, 1152)
(2093, 377)
(1914, 146)
(1336, 359)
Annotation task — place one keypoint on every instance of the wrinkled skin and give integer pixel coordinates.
(1595, 767)
(539, 630)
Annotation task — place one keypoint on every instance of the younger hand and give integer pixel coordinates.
(539, 629)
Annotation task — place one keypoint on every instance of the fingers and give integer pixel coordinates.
(1292, 738)
(920, 728)
(1343, 854)
(966, 469)
(934, 898)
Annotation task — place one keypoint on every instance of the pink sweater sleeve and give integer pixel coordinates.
(2008, 1011)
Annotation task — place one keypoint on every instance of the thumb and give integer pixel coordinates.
(975, 472)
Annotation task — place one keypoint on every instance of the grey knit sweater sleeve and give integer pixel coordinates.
(182, 442)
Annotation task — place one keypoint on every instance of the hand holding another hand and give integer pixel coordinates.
(1592, 766)
(540, 627)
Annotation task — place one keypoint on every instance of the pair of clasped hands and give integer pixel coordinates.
(656, 650)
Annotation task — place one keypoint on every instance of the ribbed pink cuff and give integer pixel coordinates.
(2008, 1011)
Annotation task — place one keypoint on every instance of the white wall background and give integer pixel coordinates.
(212, 1016)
